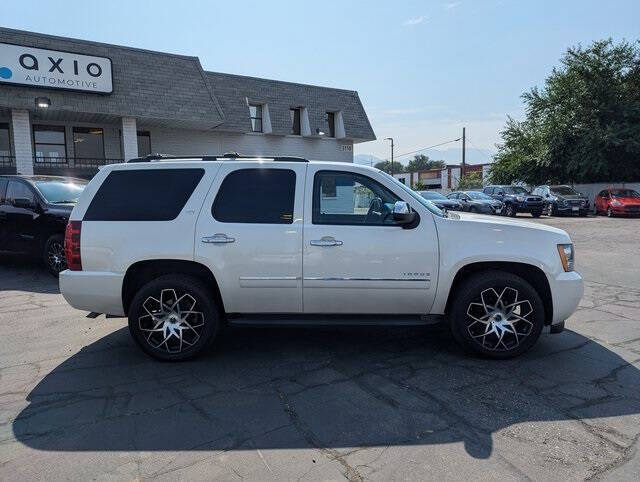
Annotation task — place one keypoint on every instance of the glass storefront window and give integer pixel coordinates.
(144, 143)
(88, 143)
(49, 144)
(5, 145)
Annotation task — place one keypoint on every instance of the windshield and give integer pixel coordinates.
(60, 191)
(431, 195)
(514, 190)
(478, 195)
(425, 202)
(564, 191)
(625, 193)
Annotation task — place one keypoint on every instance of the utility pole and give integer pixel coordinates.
(464, 146)
(390, 139)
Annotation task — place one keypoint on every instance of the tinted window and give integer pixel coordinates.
(488, 190)
(264, 196)
(349, 198)
(143, 195)
(19, 190)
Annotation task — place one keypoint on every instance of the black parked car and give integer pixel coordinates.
(563, 200)
(477, 202)
(442, 201)
(34, 211)
(516, 200)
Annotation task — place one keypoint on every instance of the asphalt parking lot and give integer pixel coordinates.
(79, 401)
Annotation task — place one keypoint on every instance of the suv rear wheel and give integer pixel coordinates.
(173, 318)
(496, 314)
(510, 211)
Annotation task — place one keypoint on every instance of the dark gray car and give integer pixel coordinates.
(477, 202)
(442, 201)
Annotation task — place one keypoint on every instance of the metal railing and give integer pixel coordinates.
(7, 161)
(73, 162)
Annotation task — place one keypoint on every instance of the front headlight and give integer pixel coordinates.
(567, 256)
(520, 198)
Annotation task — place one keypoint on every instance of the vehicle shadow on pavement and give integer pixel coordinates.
(331, 389)
(19, 273)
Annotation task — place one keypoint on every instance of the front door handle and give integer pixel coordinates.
(325, 241)
(218, 238)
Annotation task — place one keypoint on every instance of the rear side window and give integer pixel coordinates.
(264, 196)
(488, 190)
(143, 195)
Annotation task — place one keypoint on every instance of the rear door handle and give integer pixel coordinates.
(325, 241)
(218, 238)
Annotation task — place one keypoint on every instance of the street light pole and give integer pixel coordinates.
(390, 139)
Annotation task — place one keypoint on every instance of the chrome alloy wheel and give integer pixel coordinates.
(499, 322)
(55, 257)
(171, 323)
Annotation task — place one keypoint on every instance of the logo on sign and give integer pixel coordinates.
(53, 69)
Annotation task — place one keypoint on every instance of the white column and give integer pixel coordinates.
(21, 127)
(129, 138)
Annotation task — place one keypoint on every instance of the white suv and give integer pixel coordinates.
(184, 246)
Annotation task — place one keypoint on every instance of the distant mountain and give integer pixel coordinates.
(366, 159)
(450, 156)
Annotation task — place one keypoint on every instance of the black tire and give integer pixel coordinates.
(489, 285)
(536, 214)
(510, 211)
(53, 254)
(189, 335)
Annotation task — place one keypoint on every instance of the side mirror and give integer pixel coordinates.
(402, 213)
(22, 202)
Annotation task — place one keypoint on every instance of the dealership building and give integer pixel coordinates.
(68, 106)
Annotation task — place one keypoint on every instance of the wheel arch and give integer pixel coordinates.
(530, 273)
(141, 272)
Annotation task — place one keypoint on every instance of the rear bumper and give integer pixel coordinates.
(566, 290)
(100, 292)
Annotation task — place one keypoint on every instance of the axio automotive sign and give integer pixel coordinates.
(54, 69)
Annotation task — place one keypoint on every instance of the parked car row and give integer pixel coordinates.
(549, 200)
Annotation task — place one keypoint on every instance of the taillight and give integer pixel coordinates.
(72, 245)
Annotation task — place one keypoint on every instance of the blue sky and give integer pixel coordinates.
(423, 69)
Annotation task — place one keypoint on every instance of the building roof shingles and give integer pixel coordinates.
(174, 90)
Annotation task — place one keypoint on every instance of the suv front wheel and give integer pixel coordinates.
(173, 318)
(496, 314)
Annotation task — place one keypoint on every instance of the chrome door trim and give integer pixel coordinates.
(270, 278)
(320, 278)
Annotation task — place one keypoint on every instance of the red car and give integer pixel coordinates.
(618, 202)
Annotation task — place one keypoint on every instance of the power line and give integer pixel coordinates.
(424, 148)
(481, 150)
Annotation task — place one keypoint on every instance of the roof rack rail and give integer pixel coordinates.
(227, 156)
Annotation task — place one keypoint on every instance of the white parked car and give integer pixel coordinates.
(183, 246)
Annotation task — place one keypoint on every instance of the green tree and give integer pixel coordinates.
(420, 162)
(582, 126)
(386, 167)
(470, 181)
